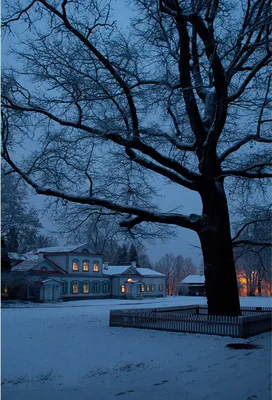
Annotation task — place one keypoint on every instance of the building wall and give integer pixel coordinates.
(91, 259)
(95, 285)
(59, 259)
(117, 282)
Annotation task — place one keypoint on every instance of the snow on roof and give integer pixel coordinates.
(59, 249)
(194, 279)
(50, 280)
(148, 271)
(16, 256)
(26, 265)
(120, 269)
(116, 269)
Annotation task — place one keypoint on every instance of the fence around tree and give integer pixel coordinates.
(194, 319)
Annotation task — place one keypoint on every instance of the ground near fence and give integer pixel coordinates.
(69, 351)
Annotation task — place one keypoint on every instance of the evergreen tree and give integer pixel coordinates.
(5, 261)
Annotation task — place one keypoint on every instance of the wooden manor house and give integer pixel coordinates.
(76, 272)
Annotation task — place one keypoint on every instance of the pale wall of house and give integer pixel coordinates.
(59, 259)
(118, 281)
(43, 264)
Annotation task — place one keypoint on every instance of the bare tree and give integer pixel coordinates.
(176, 268)
(183, 96)
(255, 261)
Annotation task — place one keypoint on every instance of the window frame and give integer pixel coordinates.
(107, 284)
(123, 286)
(160, 287)
(98, 266)
(153, 287)
(85, 270)
(147, 287)
(95, 283)
(142, 288)
(84, 284)
(77, 262)
(64, 285)
(73, 283)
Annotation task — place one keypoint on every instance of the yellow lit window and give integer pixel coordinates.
(153, 288)
(142, 288)
(147, 288)
(129, 280)
(160, 287)
(123, 289)
(85, 266)
(6, 290)
(75, 287)
(96, 267)
(75, 265)
(86, 288)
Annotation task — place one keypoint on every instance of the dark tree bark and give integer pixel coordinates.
(219, 267)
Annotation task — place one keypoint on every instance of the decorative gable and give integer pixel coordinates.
(131, 271)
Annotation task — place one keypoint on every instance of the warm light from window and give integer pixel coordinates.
(85, 266)
(160, 287)
(86, 287)
(129, 280)
(96, 267)
(75, 287)
(142, 288)
(123, 289)
(147, 288)
(153, 288)
(75, 266)
(6, 290)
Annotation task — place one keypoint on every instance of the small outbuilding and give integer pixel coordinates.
(192, 285)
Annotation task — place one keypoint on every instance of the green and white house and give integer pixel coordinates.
(76, 272)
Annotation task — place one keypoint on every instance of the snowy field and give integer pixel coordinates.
(67, 351)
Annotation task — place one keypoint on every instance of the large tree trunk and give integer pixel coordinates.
(215, 237)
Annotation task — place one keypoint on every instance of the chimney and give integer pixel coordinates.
(106, 264)
(134, 264)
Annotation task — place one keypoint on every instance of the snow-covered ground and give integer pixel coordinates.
(67, 351)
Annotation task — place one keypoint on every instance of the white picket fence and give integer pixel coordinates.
(194, 319)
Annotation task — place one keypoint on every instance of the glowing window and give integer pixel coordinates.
(147, 288)
(123, 289)
(75, 265)
(75, 288)
(152, 288)
(142, 288)
(86, 287)
(85, 266)
(96, 266)
(129, 280)
(160, 287)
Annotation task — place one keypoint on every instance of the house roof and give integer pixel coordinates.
(200, 279)
(116, 269)
(16, 256)
(50, 282)
(62, 249)
(27, 265)
(121, 269)
(148, 271)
